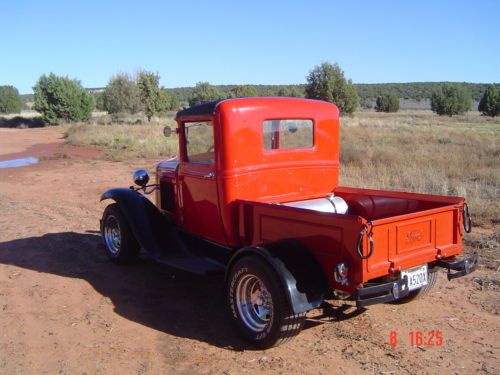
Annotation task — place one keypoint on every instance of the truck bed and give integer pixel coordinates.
(408, 229)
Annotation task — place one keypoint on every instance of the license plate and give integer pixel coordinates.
(417, 277)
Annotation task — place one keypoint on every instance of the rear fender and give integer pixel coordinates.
(144, 219)
(301, 275)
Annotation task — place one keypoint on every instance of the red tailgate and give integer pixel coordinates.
(409, 240)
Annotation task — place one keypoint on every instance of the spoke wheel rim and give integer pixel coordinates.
(112, 234)
(254, 303)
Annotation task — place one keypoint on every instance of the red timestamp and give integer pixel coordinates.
(419, 338)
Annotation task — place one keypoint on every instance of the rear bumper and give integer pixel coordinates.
(399, 289)
(382, 293)
(459, 267)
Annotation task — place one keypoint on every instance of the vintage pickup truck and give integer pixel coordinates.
(254, 195)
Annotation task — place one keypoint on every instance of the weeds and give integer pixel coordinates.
(122, 142)
(421, 152)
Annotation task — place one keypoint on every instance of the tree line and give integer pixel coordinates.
(366, 91)
(63, 99)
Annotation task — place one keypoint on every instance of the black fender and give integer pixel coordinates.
(300, 273)
(145, 220)
(158, 235)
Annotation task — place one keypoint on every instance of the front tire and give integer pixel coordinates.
(258, 304)
(119, 241)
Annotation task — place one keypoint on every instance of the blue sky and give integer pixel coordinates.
(256, 42)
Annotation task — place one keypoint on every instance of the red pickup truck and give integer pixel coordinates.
(254, 195)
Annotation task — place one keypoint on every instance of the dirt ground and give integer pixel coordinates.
(65, 309)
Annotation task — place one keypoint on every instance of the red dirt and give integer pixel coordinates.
(43, 143)
(65, 309)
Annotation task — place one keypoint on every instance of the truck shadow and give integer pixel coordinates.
(146, 292)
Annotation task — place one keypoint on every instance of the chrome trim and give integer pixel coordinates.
(196, 173)
(337, 274)
(395, 290)
(254, 303)
(112, 234)
(141, 177)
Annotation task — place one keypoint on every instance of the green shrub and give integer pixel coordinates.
(10, 100)
(150, 93)
(100, 101)
(387, 103)
(168, 100)
(451, 99)
(490, 102)
(327, 82)
(60, 98)
(122, 95)
(291, 92)
(243, 91)
(444, 140)
(203, 93)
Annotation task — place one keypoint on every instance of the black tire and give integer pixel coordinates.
(422, 292)
(121, 245)
(280, 324)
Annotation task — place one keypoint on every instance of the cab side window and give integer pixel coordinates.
(199, 142)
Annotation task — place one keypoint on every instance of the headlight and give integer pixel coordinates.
(141, 177)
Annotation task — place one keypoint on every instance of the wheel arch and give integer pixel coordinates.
(298, 270)
(142, 216)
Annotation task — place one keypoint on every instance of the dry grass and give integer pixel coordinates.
(122, 142)
(422, 152)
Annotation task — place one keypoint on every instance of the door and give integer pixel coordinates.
(200, 203)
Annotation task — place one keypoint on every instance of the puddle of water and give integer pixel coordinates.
(18, 162)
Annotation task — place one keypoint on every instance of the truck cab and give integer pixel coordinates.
(254, 195)
(257, 149)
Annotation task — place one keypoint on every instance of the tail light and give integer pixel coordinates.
(340, 273)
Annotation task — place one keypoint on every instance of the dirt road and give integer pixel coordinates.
(65, 309)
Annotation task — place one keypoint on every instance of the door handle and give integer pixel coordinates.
(196, 173)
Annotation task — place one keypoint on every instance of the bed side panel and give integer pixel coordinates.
(331, 238)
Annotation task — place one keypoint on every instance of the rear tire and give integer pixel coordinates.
(258, 304)
(119, 241)
(422, 292)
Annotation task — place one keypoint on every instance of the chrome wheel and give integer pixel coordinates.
(112, 234)
(254, 303)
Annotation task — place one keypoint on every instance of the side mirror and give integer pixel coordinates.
(167, 131)
(141, 177)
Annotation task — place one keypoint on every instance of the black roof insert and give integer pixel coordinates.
(199, 110)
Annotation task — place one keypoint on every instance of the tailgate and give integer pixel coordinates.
(409, 240)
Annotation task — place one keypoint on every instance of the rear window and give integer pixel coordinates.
(287, 134)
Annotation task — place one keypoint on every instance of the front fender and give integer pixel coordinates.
(301, 275)
(144, 219)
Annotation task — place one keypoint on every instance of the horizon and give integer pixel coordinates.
(296, 84)
(258, 44)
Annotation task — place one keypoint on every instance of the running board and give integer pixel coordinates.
(179, 250)
(193, 264)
